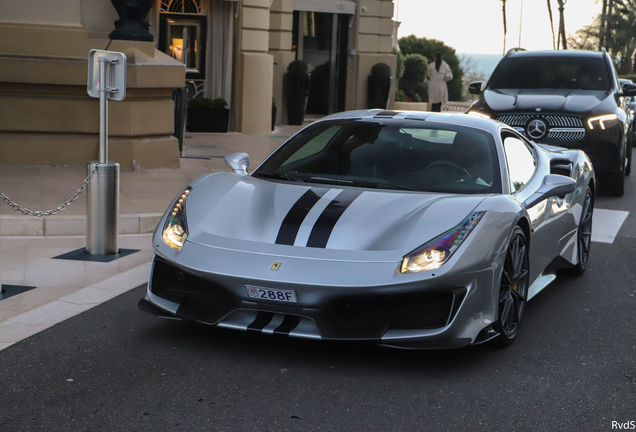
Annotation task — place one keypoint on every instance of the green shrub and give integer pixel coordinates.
(400, 96)
(297, 67)
(421, 89)
(412, 96)
(415, 69)
(381, 70)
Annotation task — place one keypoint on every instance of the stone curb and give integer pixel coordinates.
(62, 225)
(31, 322)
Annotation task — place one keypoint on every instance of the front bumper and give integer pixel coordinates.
(444, 311)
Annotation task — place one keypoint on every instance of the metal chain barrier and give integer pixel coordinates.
(61, 207)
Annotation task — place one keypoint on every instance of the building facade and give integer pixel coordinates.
(236, 50)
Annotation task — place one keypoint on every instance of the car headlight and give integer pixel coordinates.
(478, 114)
(601, 121)
(439, 250)
(175, 230)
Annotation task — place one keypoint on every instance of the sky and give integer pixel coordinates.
(476, 26)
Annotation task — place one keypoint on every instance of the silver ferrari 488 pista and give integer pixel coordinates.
(407, 229)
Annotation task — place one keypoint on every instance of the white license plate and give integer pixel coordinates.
(272, 294)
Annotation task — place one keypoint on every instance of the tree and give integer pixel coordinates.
(415, 71)
(428, 47)
(552, 23)
(471, 74)
(618, 31)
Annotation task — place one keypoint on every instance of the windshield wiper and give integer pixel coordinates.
(360, 183)
(279, 176)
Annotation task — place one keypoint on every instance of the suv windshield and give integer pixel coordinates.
(551, 72)
(388, 154)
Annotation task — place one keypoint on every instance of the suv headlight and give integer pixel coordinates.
(175, 230)
(601, 121)
(439, 250)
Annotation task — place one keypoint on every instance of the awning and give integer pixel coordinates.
(327, 6)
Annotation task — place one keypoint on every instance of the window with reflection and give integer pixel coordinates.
(183, 34)
(520, 160)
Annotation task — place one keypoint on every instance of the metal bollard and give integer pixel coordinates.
(102, 209)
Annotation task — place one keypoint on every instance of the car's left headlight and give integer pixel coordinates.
(601, 121)
(436, 252)
(175, 230)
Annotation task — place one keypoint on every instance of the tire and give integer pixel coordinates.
(615, 184)
(513, 289)
(584, 236)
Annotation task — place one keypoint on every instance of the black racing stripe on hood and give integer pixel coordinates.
(327, 221)
(294, 219)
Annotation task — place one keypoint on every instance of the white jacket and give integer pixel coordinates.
(437, 89)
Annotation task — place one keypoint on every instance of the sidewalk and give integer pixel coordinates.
(64, 288)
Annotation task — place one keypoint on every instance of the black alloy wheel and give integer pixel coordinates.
(584, 235)
(513, 290)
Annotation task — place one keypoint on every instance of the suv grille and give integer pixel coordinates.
(552, 120)
(561, 128)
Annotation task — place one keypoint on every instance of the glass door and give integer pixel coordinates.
(318, 39)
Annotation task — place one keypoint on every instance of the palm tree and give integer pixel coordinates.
(601, 36)
(503, 11)
(552, 23)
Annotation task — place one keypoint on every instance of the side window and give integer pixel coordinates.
(520, 160)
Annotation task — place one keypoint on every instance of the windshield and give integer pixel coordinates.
(388, 154)
(550, 72)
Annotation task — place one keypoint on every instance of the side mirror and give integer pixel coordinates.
(629, 90)
(239, 162)
(475, 87)
(553, 185)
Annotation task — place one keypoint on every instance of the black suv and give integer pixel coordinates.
(570, 99)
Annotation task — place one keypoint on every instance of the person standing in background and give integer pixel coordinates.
(439, 73)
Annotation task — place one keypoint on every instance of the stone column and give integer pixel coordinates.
(254, 69)
(280, 45)
(371, 37)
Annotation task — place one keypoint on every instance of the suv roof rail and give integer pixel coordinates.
(514, 50)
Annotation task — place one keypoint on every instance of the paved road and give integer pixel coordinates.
(115, 368)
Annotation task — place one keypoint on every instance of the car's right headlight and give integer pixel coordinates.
(175, 230)
(436, 252)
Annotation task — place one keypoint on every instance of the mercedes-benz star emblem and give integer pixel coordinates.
(537, 129)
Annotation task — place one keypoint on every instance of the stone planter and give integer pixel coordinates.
(208, 119)
(296, 98)
(132, 24)
(378, 89)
